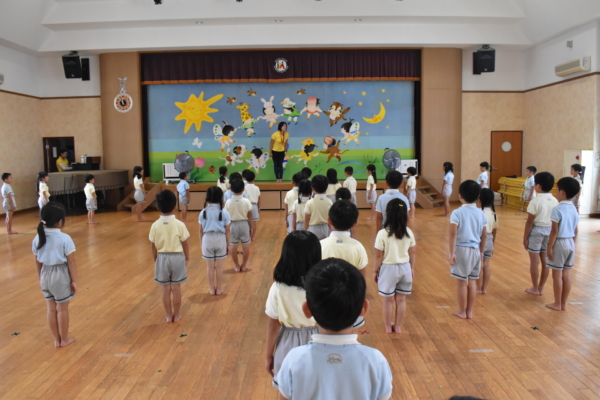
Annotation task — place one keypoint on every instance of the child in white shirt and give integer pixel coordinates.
(486, 202)
(484, 167)
(411, 189)
(529, 184)
(42, 189)
(8, 201)
(91, 201)
(371, 189)
(350, 183)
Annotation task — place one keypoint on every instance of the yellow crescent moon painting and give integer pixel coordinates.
(377, 117)
(196, 110)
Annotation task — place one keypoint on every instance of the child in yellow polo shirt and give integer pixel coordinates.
(242, 225)
(317, 208)
(171, 253)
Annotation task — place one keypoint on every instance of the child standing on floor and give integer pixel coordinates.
(8, 201)
(394, 264)
(56, 269)
(411, 189)
(447, 187)
(171, 253)
(290, 198)
(335, 365)
(140, 192)
(537, 230)
(350, 183)
(42, 189)
(482, 180)
(229, 194)
(317, 209)
(393, 180)
(342, 217)
(287, 326)
(253, 192)
(223, 182)
(298, 207)
(576, 174)
(334, 184)
(371, 189)
(214, 236)
(183, 188)
(561, 247)
(467, 245)
(486, 200)
(529, 184)
(242, 225)
(91, 201)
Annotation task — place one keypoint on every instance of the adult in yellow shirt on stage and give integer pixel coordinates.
(278, 148)
(62, 163)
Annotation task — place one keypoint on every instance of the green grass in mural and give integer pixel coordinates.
(357, 159)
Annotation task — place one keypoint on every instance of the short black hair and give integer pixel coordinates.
(235, 175)
(485, 165)
(335, 293)
(448, 167)
(63, 151)
(411, 170)
(6, 175)
(88, 177)
(394, 179)
(577, 167)
(297, 177)
(569, 185)
(343, 215)
(250, 175)
(319, 183)
(166, 201)
(469, 190)
(343, 194)
(532, 169)
(307, 172)
(349, 170)
(237, 186)
(182, 175)
(300, 252)
(332, 176)
(244, 173)
(545, 180)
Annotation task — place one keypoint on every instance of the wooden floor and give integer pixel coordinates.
(514, 348)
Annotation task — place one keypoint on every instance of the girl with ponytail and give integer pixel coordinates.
(486, 201)
(223, 182)
(371, 187)
(215, 237)
(304, 194)
(41, 188)
(394, 263)
(57, 271)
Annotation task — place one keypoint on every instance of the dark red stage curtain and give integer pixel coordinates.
(258, 66)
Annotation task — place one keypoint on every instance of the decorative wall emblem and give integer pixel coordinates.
(281, 65)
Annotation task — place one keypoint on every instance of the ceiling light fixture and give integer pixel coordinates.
(357, 19)
(278, 20)
(199, 22)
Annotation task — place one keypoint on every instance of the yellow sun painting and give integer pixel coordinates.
(196, 110)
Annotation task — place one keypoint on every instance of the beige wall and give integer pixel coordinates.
(483, 113)
(26, 120)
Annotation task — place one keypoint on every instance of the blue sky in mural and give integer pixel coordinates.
(365, 100)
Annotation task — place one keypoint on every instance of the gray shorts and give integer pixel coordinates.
(90, 204)
(240, 232)
(447, 191)
(214, 245)
(290, 220)
(412, 196)
(321, 230)
(6, 205)
(394, 278)
(255, 212)
(353, 200)
(373, 198)
(331, 197)
(538, 239)
(299, 226)
(55, 281)
(184, 200)
(564, 254)
(288, 339)
(489, 246)
(468, 263)
(170, 269)
(139, 196)
(42, 202)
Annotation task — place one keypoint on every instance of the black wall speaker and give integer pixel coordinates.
(484, 60)
(72, 66)
(85, 69)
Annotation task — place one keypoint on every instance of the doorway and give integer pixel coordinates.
(507, 156)
(52, 147)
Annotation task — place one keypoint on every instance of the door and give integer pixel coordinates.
(507, 156)
(52, 147)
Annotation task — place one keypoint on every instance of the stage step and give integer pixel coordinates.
(427, 195)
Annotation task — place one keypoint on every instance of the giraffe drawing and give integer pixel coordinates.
(247, 121)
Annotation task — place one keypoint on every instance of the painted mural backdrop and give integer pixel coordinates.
(331, 125)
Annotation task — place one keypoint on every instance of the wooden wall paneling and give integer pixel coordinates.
(441, 113)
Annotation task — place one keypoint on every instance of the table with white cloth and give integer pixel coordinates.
(70, 182)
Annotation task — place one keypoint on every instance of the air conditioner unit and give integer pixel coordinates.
(583, 64)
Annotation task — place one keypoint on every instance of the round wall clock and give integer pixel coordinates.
(123, 102)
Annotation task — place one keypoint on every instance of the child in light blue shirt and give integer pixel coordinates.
(183, 187)
(467, 245)
(229, 194)
(393, 181)
(529, 184)
(334, 365)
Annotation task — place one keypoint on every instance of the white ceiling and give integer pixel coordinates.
(46, 27)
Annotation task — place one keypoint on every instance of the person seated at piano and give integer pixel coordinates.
(62, 162)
